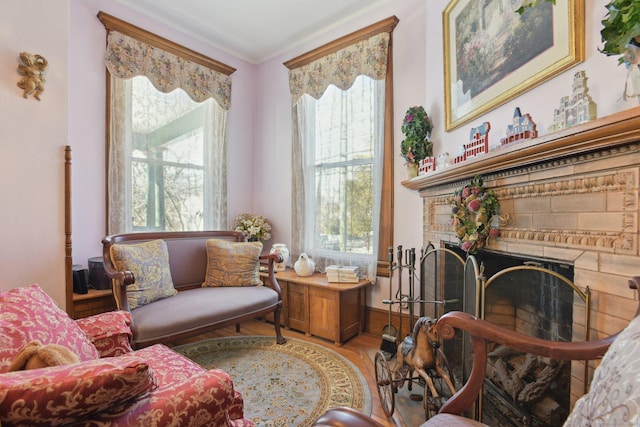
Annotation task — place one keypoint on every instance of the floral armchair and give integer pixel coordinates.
(111, 385)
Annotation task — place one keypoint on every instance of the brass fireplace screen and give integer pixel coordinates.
(533, 296)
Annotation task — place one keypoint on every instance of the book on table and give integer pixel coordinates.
(342, 274)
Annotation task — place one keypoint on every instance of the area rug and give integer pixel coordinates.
(284, 385)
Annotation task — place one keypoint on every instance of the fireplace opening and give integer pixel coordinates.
(531, 296)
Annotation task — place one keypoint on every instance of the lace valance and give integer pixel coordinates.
(127, 57)
(367, 57)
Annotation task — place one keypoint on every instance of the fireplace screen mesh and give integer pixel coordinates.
(531, 296)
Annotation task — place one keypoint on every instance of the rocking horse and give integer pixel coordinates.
(419, 352)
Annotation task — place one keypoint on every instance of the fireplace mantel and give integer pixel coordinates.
(606, 132)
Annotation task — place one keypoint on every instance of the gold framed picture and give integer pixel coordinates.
(493, 54)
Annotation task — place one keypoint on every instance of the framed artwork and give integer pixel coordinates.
(493, 54)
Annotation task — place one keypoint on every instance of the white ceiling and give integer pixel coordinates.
(253, 30)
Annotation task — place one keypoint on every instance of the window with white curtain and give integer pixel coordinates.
(342, 137)
(342, 116)
(167, 159)
(166, 133)
(166, 150)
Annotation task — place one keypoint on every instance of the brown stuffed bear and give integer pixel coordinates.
(34, 355)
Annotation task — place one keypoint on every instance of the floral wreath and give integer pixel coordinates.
(474, 216)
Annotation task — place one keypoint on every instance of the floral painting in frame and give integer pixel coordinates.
(493, 54)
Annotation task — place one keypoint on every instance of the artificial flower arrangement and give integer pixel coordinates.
(416, 126)
(257, 227)
(474, 215)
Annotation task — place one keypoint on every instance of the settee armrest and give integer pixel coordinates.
(207, 398)
(109, 332)
(271, 260)
(119, 279)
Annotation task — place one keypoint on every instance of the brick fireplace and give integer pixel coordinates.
(571, 197)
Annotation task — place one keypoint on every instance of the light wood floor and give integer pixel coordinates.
(356, 350)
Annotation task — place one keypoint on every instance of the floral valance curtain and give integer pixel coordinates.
(127, 57)
(367, 57)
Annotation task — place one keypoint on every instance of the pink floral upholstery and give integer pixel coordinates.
(28, 314)
(110, 332)
(63, 394)
(171, 367)
(151, 386)
(194, 397)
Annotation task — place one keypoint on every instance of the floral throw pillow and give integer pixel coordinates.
(28, 313)
(614, 394)
(149, 263)
(232, 263)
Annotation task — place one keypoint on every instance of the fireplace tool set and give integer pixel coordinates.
(403, 300)
(431, 365)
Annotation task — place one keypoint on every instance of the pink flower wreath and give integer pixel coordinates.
(474, 216)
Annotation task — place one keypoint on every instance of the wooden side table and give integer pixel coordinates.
(334, 311)
(93, 302)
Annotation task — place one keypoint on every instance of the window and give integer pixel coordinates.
(166, 133)
(167, 158)
(343, 127)
(342, 96)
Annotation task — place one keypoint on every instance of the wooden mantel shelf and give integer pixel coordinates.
(606, 132)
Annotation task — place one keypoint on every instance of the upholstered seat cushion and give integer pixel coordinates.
(211, 390)
(191, 309)
(342, 416)
(449, 420)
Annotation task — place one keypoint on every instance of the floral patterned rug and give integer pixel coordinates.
(284, 385)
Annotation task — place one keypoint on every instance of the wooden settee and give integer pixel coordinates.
(194, 309)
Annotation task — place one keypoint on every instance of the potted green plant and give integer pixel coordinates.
(416, 127)
(620, 27)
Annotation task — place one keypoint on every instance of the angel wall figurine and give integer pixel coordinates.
(32, 69)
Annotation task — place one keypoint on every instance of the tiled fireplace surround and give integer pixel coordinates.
(571, 196)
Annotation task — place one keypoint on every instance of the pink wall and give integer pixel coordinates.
(34, 134)
(73, 112)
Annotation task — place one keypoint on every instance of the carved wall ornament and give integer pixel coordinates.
(32, 71)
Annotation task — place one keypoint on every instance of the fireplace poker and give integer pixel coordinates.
(411, 266)
(399, 295)
(389, 332)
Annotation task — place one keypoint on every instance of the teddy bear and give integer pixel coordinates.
(35, 355)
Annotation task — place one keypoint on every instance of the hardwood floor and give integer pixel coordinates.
(357, 350)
